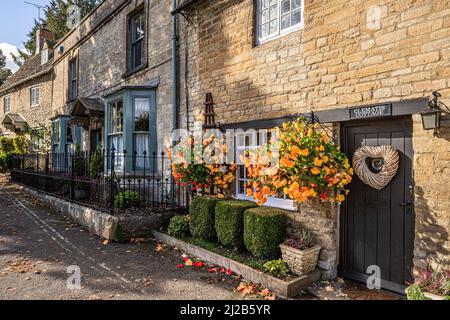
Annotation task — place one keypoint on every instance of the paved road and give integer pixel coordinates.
(37, 246)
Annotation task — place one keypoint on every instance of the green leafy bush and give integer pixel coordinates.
(414, 292)
(230, 222)
(96, 164)
(127, 199)
(264, 231)
(202, 212)
(6, 145)
(6, 161)
(276, 268)
(179, 227)
(21, 145)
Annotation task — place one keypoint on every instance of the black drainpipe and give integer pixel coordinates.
(175, 92)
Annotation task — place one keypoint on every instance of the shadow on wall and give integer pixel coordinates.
(222, 50)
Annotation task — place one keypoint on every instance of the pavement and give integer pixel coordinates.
(37, 246)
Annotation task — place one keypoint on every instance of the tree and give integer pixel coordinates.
(29, 45)
(56, 14)
(56, 18)
(5, 73)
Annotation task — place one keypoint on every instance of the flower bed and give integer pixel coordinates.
(290, 287)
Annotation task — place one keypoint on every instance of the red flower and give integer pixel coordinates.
(323, 196)
(196, 264)
(212, 270)
(185, 259)
(230, 272)
(223, 270)
(200, 264)
(180, 266)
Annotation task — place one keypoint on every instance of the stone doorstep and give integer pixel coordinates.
(283, 288)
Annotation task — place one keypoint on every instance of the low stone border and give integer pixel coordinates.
(283, 288)
(113, 228)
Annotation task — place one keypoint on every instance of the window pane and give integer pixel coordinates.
(265, 30)
(274, 12)
(274, 26)
(117, 142)
(273, 2)
(141, 145)
(265, 3)
(116, 117)
(296, 18)
(142, 114)
(138, 27)
(296, 4)
(265, 16)
(285, 6)
(286, 22)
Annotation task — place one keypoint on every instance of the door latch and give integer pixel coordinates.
(406, 204)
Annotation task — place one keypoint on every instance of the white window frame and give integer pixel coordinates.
(286, 204)
(35, 89)
(7, 98)
(280, 33)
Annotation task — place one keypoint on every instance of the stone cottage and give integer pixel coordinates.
(368, 69)
(112, 80)
(26, 97)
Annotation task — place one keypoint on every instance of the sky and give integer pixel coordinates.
(16, 20)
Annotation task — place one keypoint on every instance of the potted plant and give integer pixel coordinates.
(300, 254)
(430, 285)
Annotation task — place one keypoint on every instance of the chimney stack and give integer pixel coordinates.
(42, 36)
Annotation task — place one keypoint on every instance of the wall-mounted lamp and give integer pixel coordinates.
(431, 118)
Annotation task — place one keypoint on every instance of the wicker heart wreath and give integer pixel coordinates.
(386, 159)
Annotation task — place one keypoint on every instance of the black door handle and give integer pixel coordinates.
(406, 204)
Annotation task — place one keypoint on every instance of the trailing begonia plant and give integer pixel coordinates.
(310, 166)
(201, 167)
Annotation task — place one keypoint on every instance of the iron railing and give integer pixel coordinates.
(105, 180)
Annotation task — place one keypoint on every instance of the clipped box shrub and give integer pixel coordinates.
(264, 231)
(202, 213)
(179, 227)
(230, 222)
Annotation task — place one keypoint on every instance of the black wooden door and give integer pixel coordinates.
(377, 227)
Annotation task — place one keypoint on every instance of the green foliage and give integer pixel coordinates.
(303, 242)
(276, 268)
(179, 227)
(230, 222)
(9, 148)
(414, 292)
(5, 73)
(96, 164)
(127, 199)
(6, 145)
(21, 145)
(264, 231)
(56, 18)
(447, 298)
(202, 212)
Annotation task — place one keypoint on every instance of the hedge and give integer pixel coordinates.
(202, 223)
(230, 222)
(264, 231)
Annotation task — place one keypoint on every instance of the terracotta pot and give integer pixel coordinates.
(300, 262)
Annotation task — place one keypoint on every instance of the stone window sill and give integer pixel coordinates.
(136, 70)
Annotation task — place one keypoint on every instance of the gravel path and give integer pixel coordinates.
(37, 246)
